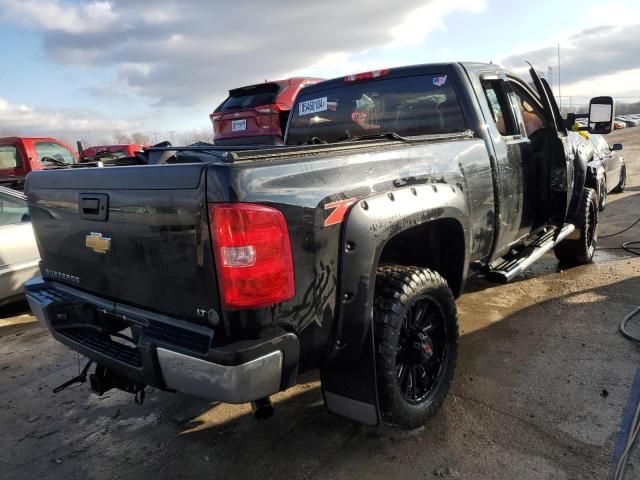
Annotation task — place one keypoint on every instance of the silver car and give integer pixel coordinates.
(19, 255)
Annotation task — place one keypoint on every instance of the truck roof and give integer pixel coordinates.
(405, 71)
(14, 139)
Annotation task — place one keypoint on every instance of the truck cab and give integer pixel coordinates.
(21, 155)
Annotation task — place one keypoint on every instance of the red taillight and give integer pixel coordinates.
(215, 117)
(358, 77)
(273, 108)
(253, 254)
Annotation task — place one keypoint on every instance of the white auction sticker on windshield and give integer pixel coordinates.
(313, 106)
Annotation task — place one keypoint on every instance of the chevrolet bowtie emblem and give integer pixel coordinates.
(98, 243)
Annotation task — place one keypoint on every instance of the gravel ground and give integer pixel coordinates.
(543, 379)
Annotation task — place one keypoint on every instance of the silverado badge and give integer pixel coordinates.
(98, 243)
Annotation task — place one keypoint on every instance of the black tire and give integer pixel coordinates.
(580, 250)
(623, 180)
(602, 194)
(416, 334)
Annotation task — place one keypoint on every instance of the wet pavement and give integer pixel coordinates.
(542, 382)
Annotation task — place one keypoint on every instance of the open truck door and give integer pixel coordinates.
(559, 169)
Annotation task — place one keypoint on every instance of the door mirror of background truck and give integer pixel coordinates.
(616, 146)
(601, 114)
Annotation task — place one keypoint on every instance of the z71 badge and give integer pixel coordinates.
(340, 209)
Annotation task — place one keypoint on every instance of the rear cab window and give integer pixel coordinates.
(105, 155)
(409, 106)
(9, 157)
(51, 150)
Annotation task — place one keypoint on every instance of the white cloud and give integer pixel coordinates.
(422, 21)
(192, 51)
(95, 16)
(614, 12)
(623, 83)
(27, 120)
(594, 61)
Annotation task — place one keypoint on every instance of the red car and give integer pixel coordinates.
(256, 114)
(110, 151)
(21, 155)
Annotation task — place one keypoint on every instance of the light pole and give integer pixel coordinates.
(559, 91)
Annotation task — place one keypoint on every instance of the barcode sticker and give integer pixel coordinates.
(312, 106)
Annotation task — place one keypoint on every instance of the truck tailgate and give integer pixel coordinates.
(135, 235)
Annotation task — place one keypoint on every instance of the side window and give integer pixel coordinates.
(532, 116)
(12, 210)
(53, 150)
(500, 108)
(9, 157)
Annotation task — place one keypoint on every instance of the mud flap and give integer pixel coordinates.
(350, 389)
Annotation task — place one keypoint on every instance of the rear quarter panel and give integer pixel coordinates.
(302, 189)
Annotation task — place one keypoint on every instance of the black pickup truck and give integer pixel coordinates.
(224, 273)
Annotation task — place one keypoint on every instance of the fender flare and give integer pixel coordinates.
(348, 377)
(369, 225)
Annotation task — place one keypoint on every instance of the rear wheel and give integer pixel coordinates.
(623, 180)
(602, 194)
(416, 333)
(580, 250)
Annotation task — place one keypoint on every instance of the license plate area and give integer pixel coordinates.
(238, 125)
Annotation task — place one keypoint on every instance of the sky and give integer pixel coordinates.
(87, 69)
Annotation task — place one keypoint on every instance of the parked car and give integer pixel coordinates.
(19, 255)
(110, 152)
(233, 270)
(606, 171)
(622, 120)
(256, 114)
(21, 155)
(617, 124)
(630, 121)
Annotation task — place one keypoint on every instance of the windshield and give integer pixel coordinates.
(50, 151)
(408, 106)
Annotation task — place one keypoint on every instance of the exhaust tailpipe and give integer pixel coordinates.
(262, 408)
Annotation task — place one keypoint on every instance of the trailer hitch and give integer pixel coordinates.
(105, 379)
(80, 378)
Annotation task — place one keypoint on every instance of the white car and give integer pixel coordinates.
(19, 257)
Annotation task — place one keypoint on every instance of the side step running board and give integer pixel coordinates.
(507, 270)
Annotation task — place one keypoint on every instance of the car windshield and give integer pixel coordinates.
(52, 152)
(407, 106)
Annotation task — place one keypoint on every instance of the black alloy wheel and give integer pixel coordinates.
(416, 336)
